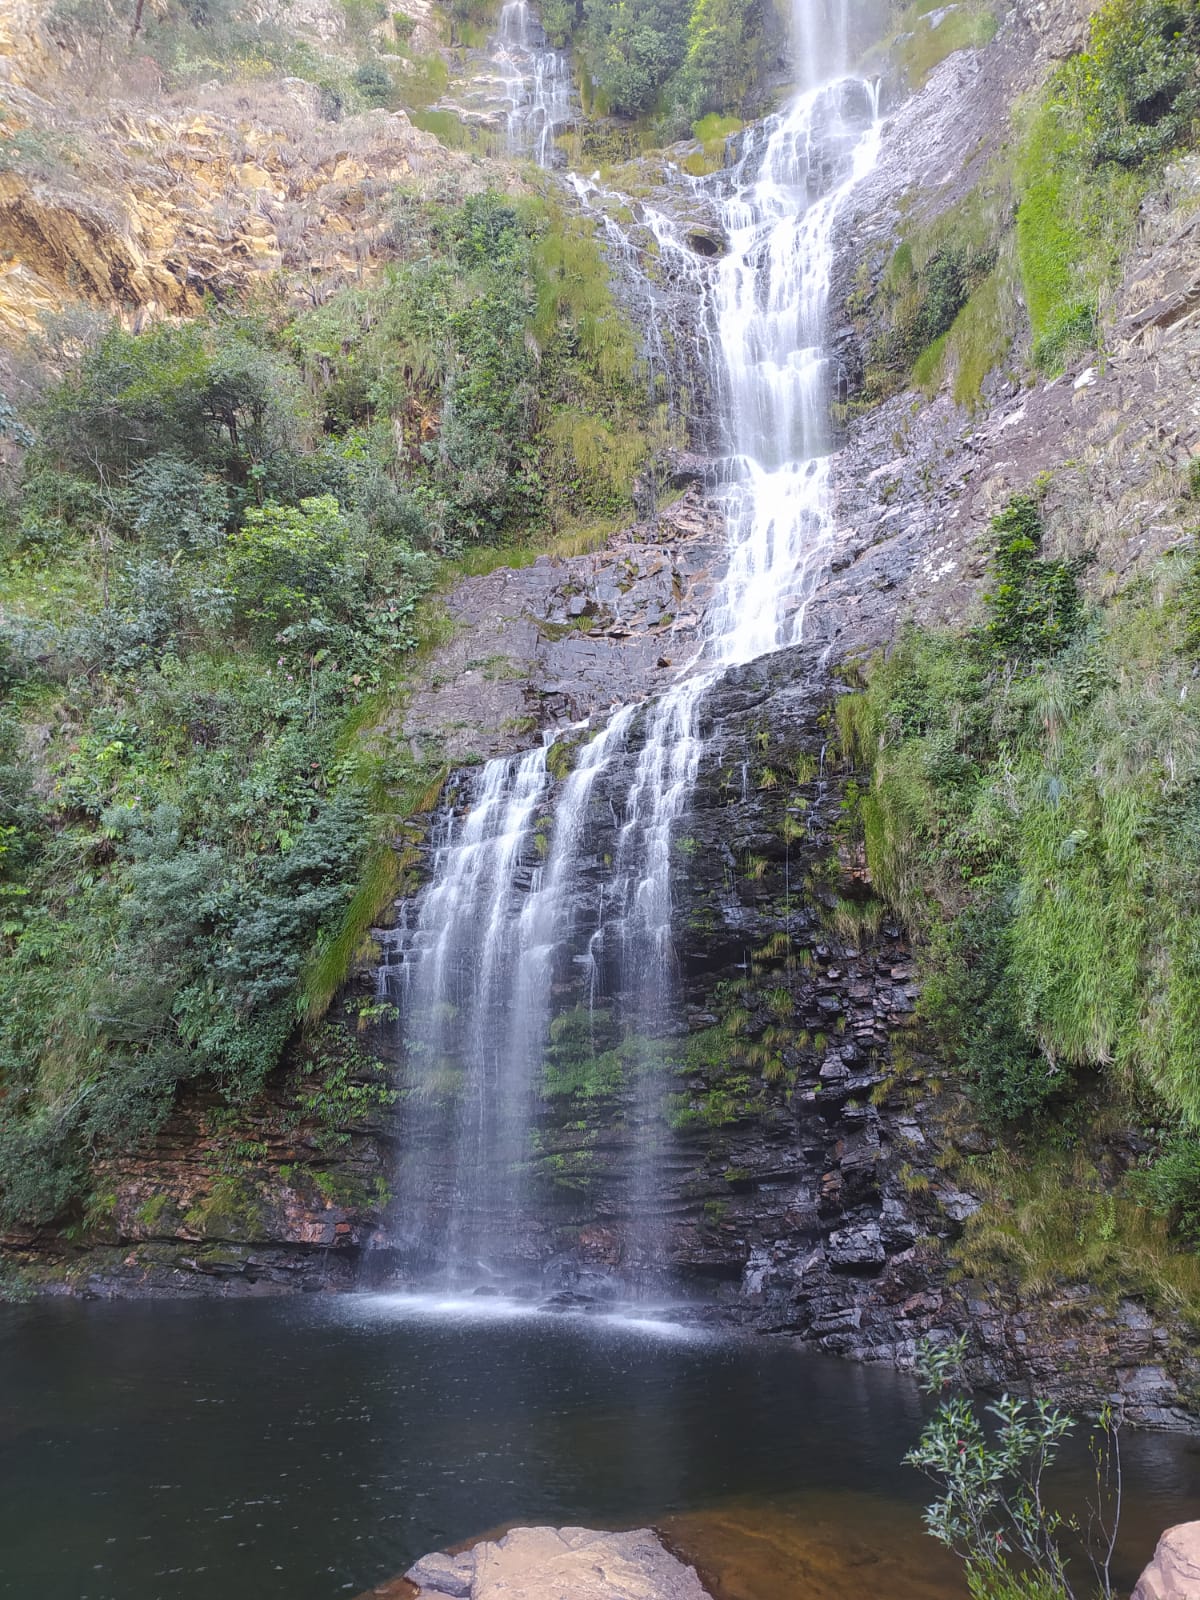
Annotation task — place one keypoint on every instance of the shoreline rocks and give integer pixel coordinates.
(1174, 1571)
(553, 1563)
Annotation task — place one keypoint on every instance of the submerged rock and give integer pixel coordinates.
(549, 1563)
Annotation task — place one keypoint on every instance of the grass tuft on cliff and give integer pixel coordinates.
(1034, 784)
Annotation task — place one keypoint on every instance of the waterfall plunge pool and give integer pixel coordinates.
(314, 1448)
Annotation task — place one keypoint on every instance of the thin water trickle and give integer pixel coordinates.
(503, 922)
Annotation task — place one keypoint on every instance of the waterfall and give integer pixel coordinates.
(523, 909)
(539, 95)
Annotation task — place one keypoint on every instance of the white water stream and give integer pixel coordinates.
(538, 91)
(502, 919)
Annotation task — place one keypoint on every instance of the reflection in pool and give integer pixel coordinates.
(173, 1451)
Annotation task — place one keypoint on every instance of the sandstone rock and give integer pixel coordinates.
(552, 1563)
(1174, 1573)
(443, 1575)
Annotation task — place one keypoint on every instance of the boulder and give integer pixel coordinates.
(552, 1563)
(1174, 1573)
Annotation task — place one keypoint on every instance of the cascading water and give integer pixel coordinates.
(503, 928)
(537, 81)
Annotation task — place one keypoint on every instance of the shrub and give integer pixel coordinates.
(175, 505)
(994, 1503)
(374, 83)
(288, 562)
(1034, 608)
(1171, 1185)
(976, 1001)
(1139, 80)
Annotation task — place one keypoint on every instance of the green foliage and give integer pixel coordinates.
(216, 556)
(494, 348)
(1139, 82)
(1090, 144)
(723, 44)
(374, 84)
(632, 49)
(577, 1065)
(993, 1504)
(1034, 609)
(1171, 1185)
(1088, 154)
(1033, 793)
(342, 1088)
(217, 395)
(974, 996)
(222, 40)
(682, 60)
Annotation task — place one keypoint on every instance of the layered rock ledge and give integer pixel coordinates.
(552, 1563)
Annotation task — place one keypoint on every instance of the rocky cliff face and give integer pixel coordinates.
(919, 476)
(139, 200)
(815, 1172)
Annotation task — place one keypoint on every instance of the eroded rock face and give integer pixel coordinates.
(549, 1563)
(162, 207)
(1174, 1573)
(187, 1216)
(566, 638)
(917, 479)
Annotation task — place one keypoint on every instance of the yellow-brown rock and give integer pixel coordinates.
(141, 203)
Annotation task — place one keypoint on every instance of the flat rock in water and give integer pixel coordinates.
(559, 1564)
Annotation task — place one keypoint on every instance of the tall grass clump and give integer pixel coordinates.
(1035, 782)
(1092, 144)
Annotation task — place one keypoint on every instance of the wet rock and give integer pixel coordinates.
(550, 1563)
(439, 1574)
(568, 638)
(856, 1247)
(706, 242)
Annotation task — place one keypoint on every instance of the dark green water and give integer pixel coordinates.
(309, 1449)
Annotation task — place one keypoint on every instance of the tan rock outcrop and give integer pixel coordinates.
(550, 1563)
(142, 203)
(151, 212)
(1174, 1573)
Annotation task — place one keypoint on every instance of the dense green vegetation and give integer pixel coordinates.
(1048, 222)
(1032, 811)
(215, 560)
(671, 62)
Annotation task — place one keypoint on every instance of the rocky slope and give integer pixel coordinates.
(135, 198)
(919, 476)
